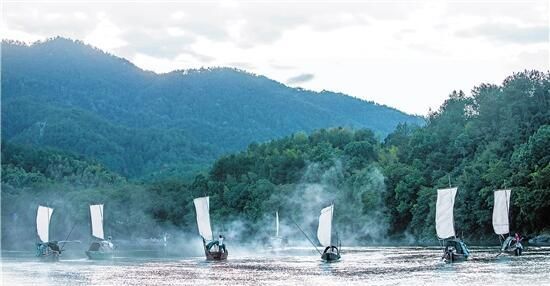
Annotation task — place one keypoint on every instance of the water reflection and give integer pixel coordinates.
(375, 265)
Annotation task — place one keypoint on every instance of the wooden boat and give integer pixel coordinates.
(455, 249)
(276, 242)
(214, 252)
(511, 246)
(101, 249)
(501, 225)
(331, 253)
(324, 235)
(46, 250)
(212, 249)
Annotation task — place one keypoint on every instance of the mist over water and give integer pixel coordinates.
(358, 205)
(144, 257)
(293, 266)
(358, 216)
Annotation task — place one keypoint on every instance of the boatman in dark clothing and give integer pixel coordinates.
(47, 248)
(519, 246)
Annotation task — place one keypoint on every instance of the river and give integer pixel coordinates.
(294, 266)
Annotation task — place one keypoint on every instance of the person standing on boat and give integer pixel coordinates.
(109, 242)
(517, 237)
(220, 243)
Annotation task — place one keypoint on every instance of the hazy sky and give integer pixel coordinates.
(405, 54)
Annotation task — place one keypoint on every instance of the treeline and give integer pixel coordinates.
(496, 138)
(382, 190)
(68, 183)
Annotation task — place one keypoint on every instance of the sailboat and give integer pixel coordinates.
(276, 241)
(501, 225)
(455, 248)
(46, 250)
(101, 248)
(324, 234)
(213, 250)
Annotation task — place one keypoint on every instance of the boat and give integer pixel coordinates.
(46, 250)
(277, 242)
(100, 249)
(501, 213)
(324, 235)
(213, 249)
(455, 249)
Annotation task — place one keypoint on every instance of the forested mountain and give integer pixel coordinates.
(68, 183)
(382, 191)
(64, 94)
(497, 138)
(30, 168)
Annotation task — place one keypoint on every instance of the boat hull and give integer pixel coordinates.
(515, 252)
(330, 257)
(455, 251)
(99, 255)
(48, 251)
(214, 255)
(331, 254)
(52, 257)
(511, 247)
(100, 250)
(454, 257)
(211, 255)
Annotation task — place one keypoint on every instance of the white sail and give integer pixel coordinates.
(43, 216)
(202, 206)
(277, 223)
(444, 220)
(500, 211)
(325, 226)
(96, 215)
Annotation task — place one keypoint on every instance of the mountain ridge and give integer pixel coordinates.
(217, 109)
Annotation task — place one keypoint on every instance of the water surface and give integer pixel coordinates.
(294, 266)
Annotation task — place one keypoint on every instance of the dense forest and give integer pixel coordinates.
(70, 96)
(383, 191)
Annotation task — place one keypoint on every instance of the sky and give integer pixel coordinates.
(405, 54)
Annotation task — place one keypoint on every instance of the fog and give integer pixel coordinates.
(358, 216)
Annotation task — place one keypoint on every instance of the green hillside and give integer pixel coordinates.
(57, 150)
(140, 123)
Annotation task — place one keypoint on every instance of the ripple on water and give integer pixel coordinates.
(359, 266)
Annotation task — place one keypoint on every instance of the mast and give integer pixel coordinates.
(450, 186)
(310, 241)
(276, 223)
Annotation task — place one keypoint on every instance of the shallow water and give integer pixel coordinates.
(295, 266)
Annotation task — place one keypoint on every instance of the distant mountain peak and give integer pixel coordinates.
(103, 106)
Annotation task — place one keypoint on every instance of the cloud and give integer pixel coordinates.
(281, 66)
(344, 43)
(241, 65)
(301, 78)
(508, 33)
(43, 21)
(156, 42)
(537, 59)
